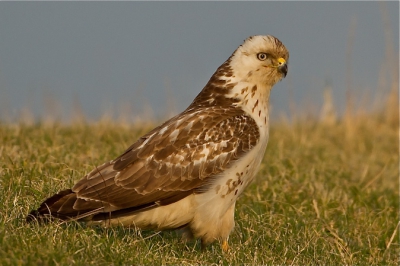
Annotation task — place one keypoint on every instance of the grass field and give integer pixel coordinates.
(327, 193)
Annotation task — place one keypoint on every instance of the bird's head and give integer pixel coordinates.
(260, 60)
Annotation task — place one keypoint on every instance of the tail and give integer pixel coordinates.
(60, 206)
(67, 205)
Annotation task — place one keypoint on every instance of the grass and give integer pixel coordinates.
(326, 193)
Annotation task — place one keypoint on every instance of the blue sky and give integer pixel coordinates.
(129, 57)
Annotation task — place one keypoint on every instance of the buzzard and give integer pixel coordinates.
(188, 172)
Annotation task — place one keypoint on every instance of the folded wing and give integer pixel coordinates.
(182, 156)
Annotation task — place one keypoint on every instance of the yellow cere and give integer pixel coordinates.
(281, 61)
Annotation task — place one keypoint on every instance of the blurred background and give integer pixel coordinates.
(139, 61)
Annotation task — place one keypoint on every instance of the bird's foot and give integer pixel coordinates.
(224, 245)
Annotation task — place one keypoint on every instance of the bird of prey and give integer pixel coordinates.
(188, 172)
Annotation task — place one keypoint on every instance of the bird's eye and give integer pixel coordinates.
(262, 56)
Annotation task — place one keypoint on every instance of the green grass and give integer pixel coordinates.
(325, 194)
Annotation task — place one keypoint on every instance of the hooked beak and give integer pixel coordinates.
(282, 66)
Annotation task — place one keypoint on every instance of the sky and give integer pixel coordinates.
(140, 60)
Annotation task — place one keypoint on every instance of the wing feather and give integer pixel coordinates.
(170, 162)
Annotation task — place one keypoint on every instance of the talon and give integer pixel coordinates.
(225, 246)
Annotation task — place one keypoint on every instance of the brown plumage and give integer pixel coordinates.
(189, 171)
